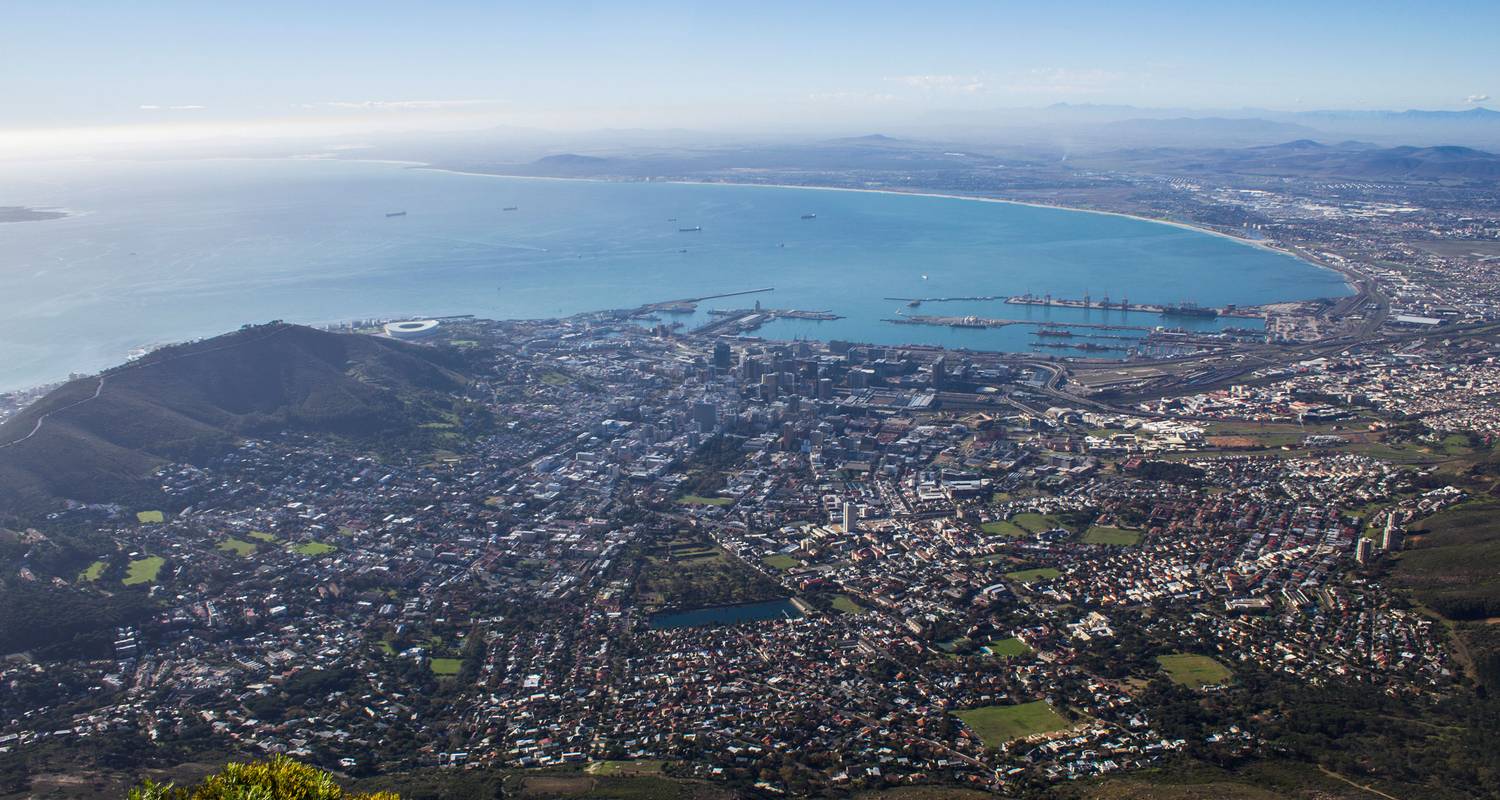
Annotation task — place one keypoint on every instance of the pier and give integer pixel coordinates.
(744, 320)
(920, 300)
(690, 304)
(1169, 310)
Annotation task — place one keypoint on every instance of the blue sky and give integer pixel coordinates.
(719, 65)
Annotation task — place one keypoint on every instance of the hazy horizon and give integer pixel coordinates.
(97, 74)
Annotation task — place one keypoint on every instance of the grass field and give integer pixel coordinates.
(781, 561)
(845, 604)
(1193, 670)
(445, 666)
(94, 571)
(262, 536)
(313, 548)
(555, 378)
(1036, 523)
(1033, 575)
(645, 766)
(1111, 536)
(150, 517)
(1004, 527)
(1008, 647)
(997, 725)
(699, 500)
(143, 570)
(239, 547)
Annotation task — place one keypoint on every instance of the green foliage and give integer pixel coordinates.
(1454, 567)
(66, 622)
(191, 401)
(1169, 472)
(707, 576)
(280, 778)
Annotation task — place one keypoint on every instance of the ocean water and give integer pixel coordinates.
(159, 252)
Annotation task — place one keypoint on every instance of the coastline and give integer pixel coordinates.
(1347, 276)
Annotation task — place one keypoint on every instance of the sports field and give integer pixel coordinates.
(997, 725)
(1004, 527)
(1008, 647)
(781, 561)
(239, 547)
(1193, 670)
(1033, 575)
(1111, 536)
(699, 500)
(143, 570)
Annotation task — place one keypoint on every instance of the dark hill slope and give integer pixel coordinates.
(97, 441)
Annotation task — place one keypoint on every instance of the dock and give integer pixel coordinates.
(732, 322)
(1168, 310)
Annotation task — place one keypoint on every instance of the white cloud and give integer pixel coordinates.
(404, 105)
(942, 84)
(172, 108)
(1475, 99)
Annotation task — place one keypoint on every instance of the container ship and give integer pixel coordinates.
(1188, 310)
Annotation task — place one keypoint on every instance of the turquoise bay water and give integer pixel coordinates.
(160, 252)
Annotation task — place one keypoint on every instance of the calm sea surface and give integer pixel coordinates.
(160, 252)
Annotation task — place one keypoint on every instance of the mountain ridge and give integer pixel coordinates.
(97, 439)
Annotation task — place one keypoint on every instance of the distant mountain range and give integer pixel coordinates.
(94, 441)
(1350, 160)
(1297, 152)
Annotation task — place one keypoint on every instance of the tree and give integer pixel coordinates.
(281, 778)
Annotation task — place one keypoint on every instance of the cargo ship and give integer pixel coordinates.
(693, 229)
(395, 213)
(1188, 310)
(809, 216)
(510, 208)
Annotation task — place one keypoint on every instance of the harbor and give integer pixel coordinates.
(1124, 304)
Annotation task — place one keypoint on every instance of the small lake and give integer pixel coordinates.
(726, 615)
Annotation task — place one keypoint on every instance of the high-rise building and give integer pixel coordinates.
(825, 389)
(722, 355)
(1364, 550)
(848, 517)
(706, 415)
(1391, 538)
